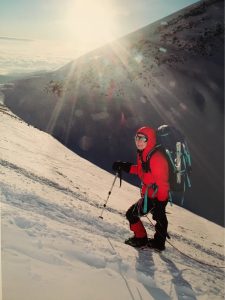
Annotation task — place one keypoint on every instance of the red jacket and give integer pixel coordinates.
(158, 165)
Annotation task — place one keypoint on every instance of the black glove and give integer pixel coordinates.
(121, 166)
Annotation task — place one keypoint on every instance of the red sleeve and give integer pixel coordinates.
(134, 169)
(160, 172)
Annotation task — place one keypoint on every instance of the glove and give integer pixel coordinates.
(121, 166)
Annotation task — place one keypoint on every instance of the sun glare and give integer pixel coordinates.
(91, 23)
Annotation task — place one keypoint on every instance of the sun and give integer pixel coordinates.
(91, 22)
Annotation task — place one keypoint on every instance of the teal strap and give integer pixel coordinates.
(145, 206)
(187, 177)
(188, 181)
(184, 162)
(155, 191)
(171, 159)
(189, 159)
(187, 155)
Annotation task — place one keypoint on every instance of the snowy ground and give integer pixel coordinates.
(55, 246)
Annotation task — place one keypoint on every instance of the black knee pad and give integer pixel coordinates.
(131, 215)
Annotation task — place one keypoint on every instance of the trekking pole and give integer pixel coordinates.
(109, 193)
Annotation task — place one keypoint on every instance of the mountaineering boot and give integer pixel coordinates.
(140, 237)
(137, 242)
(153, 244)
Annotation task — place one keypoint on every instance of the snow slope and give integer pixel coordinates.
(171, 71)
(55, 246)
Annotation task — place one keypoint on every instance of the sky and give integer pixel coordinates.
(85, 23)
(55, 246)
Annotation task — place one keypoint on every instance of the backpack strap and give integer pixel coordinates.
(146, 165)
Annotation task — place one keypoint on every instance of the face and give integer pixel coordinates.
(141, 141)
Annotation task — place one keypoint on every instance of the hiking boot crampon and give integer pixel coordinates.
(153, 244)
(137, 242)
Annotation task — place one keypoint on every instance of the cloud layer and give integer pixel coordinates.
(25, 56)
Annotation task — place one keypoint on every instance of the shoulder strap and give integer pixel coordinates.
(146, 165)
(149, 155)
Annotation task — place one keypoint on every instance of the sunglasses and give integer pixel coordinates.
(141, 138)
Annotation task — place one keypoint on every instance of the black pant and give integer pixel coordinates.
(158, 211)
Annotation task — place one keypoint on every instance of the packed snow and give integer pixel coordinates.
(55, 246)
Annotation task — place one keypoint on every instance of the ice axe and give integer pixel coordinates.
(109, 193)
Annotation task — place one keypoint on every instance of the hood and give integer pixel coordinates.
(150, 133)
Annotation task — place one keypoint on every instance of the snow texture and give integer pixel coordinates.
(55, 246)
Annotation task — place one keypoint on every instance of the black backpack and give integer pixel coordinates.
(172, 144)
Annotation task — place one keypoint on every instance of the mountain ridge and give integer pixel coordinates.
(171, 75)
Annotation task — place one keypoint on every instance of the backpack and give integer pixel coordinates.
(172, 144)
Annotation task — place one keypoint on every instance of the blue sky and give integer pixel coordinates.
(83, 21)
